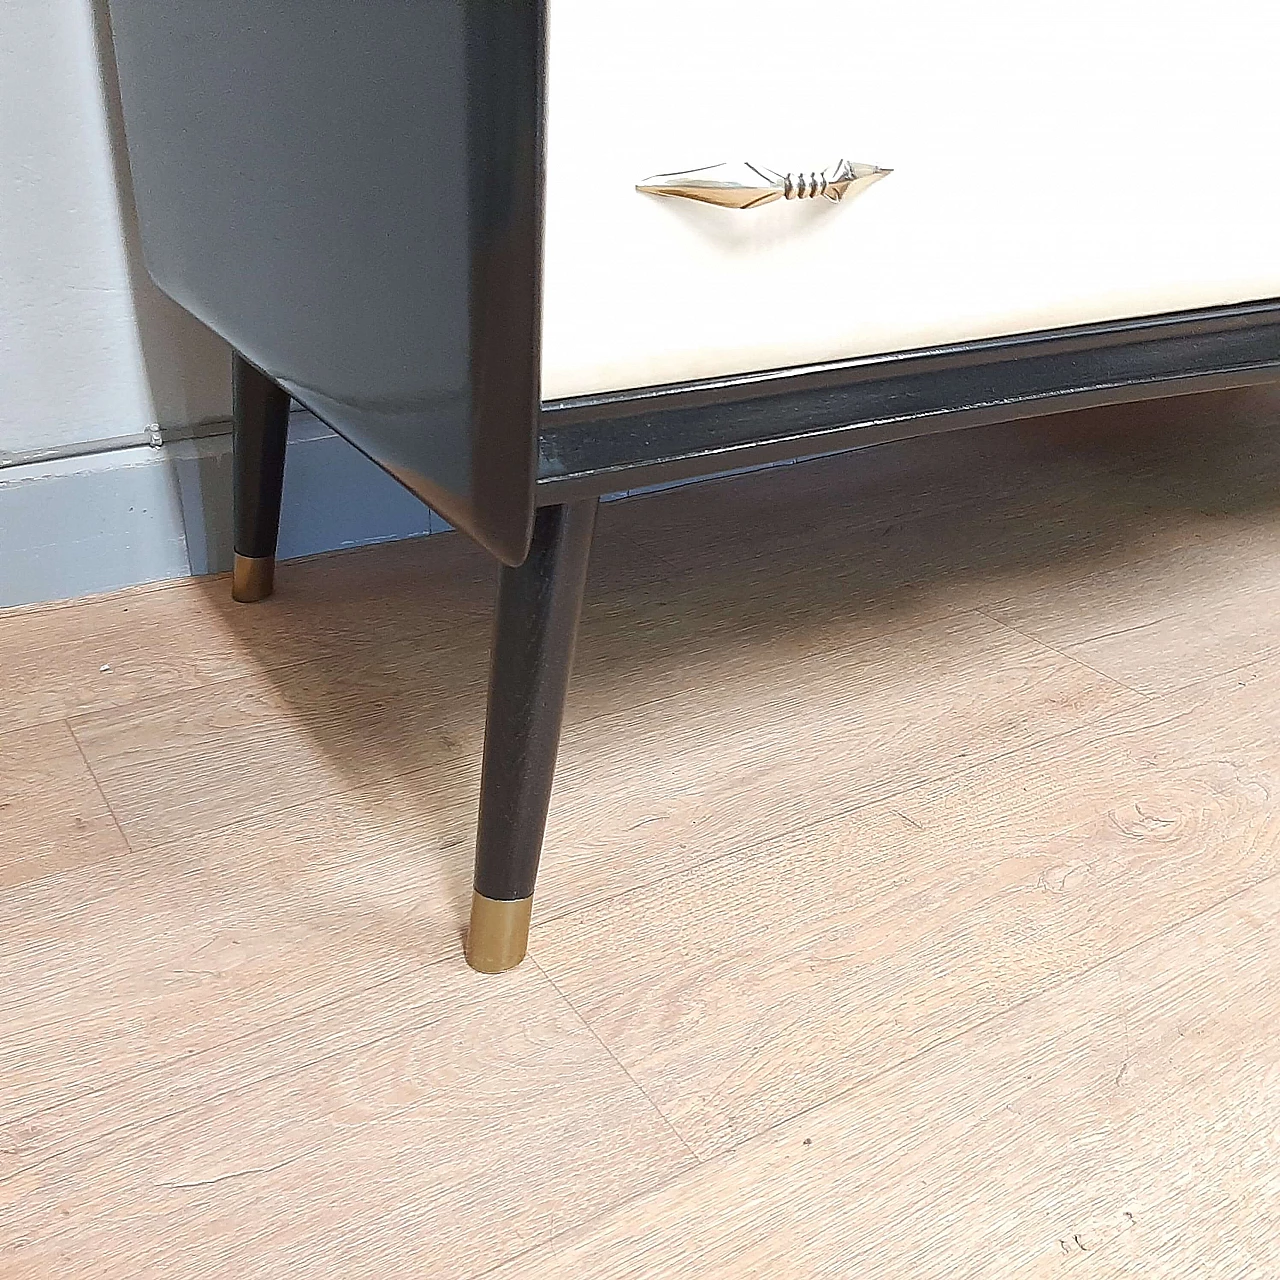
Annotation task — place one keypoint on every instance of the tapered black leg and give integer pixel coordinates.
(537, 624)
(260, 430)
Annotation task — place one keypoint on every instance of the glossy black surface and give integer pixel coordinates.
(351, 195)
(537, 623)
(601, 444)
(260, 432)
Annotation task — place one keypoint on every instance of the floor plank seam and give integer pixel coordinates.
(600, 1214)
(808, 824)
(690, 868)
(1066, 657)
(679, 1137)
(411, 773)
(322, 661)
(12, 731)
(1124, 631)
(1043, 992)
(97, 786)
(158, 1068)
(1051, 989)
(346, 791)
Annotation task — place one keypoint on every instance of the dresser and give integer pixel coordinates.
(523, 255)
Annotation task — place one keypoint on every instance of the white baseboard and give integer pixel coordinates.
(77, 526)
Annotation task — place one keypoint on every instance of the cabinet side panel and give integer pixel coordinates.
(303, 181)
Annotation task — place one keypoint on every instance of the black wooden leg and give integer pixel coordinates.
(538, 608)
(260, 429)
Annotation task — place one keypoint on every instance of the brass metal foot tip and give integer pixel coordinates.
(499, 934)
(253, 578)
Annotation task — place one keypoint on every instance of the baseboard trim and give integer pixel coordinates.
(100, 521)
(103, 518)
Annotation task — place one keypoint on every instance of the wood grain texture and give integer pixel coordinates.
(52, 815)
(176, 637)
(731, 994)
(955, 691)
(183, 764)
(849, 839)
(187, 948)
(1161, 616)
(422, 1126)
(718, 763)
(1120, 1124)
(1196, 594)
(380, 869)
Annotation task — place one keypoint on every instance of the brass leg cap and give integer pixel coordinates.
(499, 934)
(253, 578)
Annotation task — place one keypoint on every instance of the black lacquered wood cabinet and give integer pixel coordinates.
(494, 245)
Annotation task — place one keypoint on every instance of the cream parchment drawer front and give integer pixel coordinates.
(1053, 164)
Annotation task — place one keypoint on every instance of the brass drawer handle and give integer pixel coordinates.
(747, 186)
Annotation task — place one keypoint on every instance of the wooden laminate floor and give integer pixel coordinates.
(909, 908)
